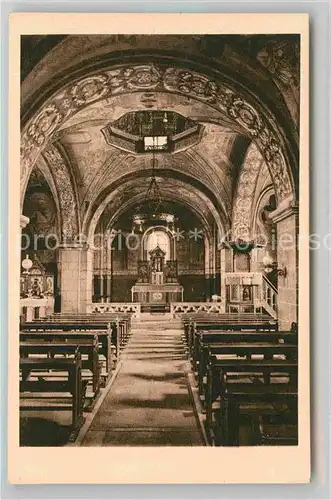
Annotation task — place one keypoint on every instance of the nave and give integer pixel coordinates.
(218, 380)
(149, 403)
(159, 193)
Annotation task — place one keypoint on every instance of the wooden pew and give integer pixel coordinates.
(104, 330)
(63, 347)
(266, 429)
(121, 320)
(72, 385)
(225, 318)
(203, 340)
(219, 369)
(119, 329)
(222, 376)
(243, 349)
(238, 399)
(214, 326)
(103, 339)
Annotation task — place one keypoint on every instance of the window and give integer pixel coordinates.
(157, 143)
(159, 239)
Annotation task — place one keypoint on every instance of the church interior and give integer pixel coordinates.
(159, 240)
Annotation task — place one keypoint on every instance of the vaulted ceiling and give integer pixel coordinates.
(80, 84)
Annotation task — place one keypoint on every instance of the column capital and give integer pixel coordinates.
(24, 221)
(285, 209)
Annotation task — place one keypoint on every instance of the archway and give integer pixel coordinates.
(244, 111)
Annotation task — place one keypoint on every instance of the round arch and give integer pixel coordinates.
(170, 250)
(244, 196)
(205, 85)
(201, 207)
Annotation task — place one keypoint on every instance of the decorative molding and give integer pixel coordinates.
(197, 307)
(115, 308)
(67, 198)
(243, 203)
(151, 78)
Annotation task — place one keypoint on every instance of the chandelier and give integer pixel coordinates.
(152, 211)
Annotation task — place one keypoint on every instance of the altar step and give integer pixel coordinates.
(156, 322)
(148, 316)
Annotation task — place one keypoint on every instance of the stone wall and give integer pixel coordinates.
(287, 256)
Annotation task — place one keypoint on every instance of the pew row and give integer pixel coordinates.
(196, 327)
(105, 354)
(278, 401)
(104, 330)
(245, 344)
(88, 348)
(247, 380)
(63, 395)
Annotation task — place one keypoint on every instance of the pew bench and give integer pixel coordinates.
(118, 332)
(103, 339)
(195, 328)
(205, 339)
(272, 430)
(190, 321)
(44, 394)
(220, 371)
(239, 399)
(88, 348)
(242, 349)
(121, 321)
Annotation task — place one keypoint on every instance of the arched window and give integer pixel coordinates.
(161, 239)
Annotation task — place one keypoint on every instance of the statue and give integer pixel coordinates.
(246, 293)
(36, 289)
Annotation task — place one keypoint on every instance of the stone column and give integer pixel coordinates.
(287, 220)
(76, 268)
(108, 269)
(223, 269)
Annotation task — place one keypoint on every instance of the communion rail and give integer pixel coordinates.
(133, 308)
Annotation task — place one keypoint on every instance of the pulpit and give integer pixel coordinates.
(157, 282)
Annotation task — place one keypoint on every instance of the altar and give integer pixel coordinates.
(157, 294)
(157, 282)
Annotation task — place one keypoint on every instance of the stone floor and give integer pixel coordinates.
(149, 403)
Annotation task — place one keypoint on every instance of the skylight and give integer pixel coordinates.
(155, 143)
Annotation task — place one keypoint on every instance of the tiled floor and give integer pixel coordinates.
(149, 403)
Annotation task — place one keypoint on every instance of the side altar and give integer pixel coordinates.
(157, 282)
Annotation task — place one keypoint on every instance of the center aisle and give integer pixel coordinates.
(149, 403)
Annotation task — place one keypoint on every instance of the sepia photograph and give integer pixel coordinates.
(160, 195)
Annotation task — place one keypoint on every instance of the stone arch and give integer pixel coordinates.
(243, 204)
(41, 206)
(43, 166)
(67, 196)
(117, 168)
(91, 220)
(247, 112)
